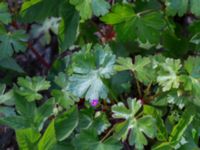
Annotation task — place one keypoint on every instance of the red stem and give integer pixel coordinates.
(39, 57)
(30, 46)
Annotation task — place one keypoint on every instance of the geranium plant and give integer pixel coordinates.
(99, 74)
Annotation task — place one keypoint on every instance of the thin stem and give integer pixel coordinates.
(147, 91)
(113, 2)
(127, 146)
(40, 58)
(139, 115)
(162, 4)
(67, 52)
(107, 134)
(113, 96)
(151, 98)
(144, 12)
(138, 86)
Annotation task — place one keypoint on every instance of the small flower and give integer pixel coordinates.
(94, 102)
(141, 101)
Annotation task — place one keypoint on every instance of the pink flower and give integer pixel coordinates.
(141, 101)
(94, 102)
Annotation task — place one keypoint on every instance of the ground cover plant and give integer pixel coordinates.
(99, 74)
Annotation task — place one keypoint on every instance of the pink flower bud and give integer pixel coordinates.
(141, 101)
(94, 102)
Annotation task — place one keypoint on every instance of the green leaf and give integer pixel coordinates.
(181, 7)
(182, 125)
(121, 83)
(190, 140)
(119, 14)
(29, 3)
(5, 16)
(110, 144)
(176, 7)
(15, 122)
(11, 64)
(38, 10)
(88, 140)
(162, 134)
(63, 97)
(175, 46)
(85, 118)
(6, 97)
(140, 68)
(27, 138)
(48, 140)
(2, 88)
(67, 145)
(35, 11)
(178, 131)
(89, 85)
(192, 66)
(29, 115)
(12, 42)
(136, 137)
(120, 111)
(145, 125)
(90, 68)
(66, 123)
(42, 113)
(100, 122)
(100, 7)
(194, 7)
(88, 7)
(7, 111)
(168, 74)
(24, 108)
(172, 97)
(49, 24)
(192, 80)
(195, 39)
(29, 87)
(84, 7)
(130, 26)
(163, 146)
(61, 80)
(68, 26)
(124, 64)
